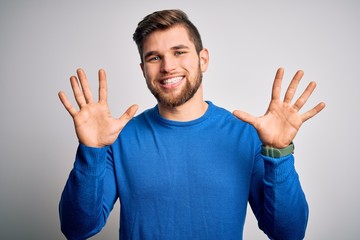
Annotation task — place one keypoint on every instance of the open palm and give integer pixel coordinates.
(94, 125)
(282, 120)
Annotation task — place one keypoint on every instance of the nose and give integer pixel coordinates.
(168, 64)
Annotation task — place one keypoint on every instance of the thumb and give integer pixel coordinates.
(128, 115)
(245, 117)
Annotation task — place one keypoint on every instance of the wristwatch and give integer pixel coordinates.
(277, 152)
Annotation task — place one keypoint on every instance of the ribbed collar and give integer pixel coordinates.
(156, 114)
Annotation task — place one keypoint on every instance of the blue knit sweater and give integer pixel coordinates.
(183, 180)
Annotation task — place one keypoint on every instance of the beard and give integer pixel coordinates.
(186, 93)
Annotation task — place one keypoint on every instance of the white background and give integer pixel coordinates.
(43, 42)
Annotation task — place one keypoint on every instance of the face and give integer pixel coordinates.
(171, 66)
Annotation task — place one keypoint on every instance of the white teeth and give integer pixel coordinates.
(172, 80)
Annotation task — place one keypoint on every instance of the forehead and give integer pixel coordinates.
(162, 40)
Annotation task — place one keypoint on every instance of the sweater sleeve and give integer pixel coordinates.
(89, 194)
(277, 198)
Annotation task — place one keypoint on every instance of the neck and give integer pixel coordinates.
(194, 108)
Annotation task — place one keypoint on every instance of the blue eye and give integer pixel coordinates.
(177, 53)
(155, 58)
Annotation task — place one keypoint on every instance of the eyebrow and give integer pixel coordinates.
(181, 46)
(150, 53)
(177, 47)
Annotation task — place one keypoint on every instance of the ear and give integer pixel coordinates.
(204, 59)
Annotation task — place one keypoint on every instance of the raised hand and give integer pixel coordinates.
(282, 120)
(94, 125)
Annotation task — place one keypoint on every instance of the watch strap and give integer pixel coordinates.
(277, 152)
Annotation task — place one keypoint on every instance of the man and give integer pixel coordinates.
(186, 168)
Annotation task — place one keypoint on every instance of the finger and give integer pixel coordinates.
(245, 117)
(311, 113)
(85, 85)
(276, 89)
(78, 94)
(128, 115)
(102, 86)
(290, 92)
(68, 106)
(304, 96)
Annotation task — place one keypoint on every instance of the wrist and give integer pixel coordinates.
(277, 152)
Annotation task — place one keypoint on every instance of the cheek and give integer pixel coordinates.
(192, 65)
(148, 73)
(151, 78)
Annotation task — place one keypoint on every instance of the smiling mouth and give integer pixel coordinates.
(171, 81)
